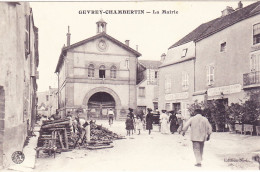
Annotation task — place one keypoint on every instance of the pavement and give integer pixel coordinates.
(156, 152)
(29, 152)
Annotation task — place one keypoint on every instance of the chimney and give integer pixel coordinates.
(68, 36)
(227, 11)
(137, 48)
(127, 42)
(240, 5)
(163, 57)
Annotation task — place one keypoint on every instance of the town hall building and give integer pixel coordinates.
(96, 74)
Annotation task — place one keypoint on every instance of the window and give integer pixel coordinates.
(256, 34)
(91, 70)
(27, 35)
(255, 62)
(113, 72)
(156, 74)
(223, 47)
(185, 80)
(141, 91)
(47, 97)
(155, 105)
(210, 75)
(184, 52)
(167, 86)
(102, 71)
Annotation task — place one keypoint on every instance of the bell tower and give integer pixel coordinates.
(101, 26)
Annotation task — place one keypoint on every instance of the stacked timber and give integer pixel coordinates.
(58, 131)
(100, 133)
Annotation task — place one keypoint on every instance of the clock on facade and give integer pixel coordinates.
(102, 45)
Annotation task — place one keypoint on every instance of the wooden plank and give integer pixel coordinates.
(60, 138)
(66, 139)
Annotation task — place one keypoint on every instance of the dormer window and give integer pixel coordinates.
(184, 52)
(223, 47)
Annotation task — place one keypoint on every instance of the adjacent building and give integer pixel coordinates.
(96, 74)
(47, 102)
(19, 60)
(147, 84)
(218, 60)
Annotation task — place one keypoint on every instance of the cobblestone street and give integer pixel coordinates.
(155, 152)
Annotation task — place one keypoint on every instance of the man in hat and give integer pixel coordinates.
(200, 132)
(149, 120)
(110, 116)
(132, 117)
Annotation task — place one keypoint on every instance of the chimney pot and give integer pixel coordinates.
(68, 36)
(163, 57)
(240, 5)
(127, 42)
(227, 11)
(136, 47)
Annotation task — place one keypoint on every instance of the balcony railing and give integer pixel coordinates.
(251, 78)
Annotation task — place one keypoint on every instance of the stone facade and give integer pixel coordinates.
(19, 62)
(148, 87)
(221, 59)
(96, 74)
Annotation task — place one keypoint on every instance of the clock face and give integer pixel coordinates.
(102, 45)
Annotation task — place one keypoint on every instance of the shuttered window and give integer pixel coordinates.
(256, 33)
(210, 74)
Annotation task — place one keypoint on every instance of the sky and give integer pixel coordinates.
(153, 33)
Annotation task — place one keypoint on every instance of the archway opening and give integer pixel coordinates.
(99, 104)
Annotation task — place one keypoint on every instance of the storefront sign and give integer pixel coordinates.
(177, 96)
(225, 90)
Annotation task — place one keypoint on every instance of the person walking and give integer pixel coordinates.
(132, 117)
(139, 124)
(164, 119)
(179, 121)
(128, 125)
(200, 132)
(173, 122)
(149, 120)
(110, 116)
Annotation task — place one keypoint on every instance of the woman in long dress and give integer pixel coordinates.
(164, 122)
(173, 122)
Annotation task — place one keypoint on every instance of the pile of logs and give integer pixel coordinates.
(99, 133)
(56, 136)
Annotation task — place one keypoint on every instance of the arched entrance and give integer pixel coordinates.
(99, 103)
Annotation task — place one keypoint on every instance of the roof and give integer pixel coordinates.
(150, 64)
(218, 24)
(102, 34)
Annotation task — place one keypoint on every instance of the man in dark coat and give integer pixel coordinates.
(132, 117)
(149, 120)
(173, 122)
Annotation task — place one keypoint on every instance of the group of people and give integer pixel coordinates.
(200, 127)
(169, 122)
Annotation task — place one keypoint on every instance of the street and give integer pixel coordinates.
(156, 152)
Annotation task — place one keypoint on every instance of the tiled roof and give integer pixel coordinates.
(150, 64)
(218, 24)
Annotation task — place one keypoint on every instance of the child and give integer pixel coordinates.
(128, 124)
(139, 124)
